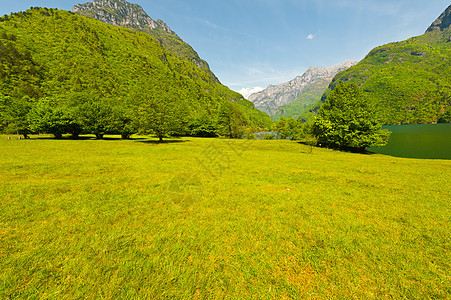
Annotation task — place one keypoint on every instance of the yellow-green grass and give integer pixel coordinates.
(227, 219)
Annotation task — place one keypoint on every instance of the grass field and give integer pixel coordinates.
(220, 219)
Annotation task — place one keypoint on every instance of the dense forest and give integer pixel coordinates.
(410, 81)
(64, 73)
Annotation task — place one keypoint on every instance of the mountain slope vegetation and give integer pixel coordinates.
(410, 80)
(298, 108)
(48, 53)
(133, 16)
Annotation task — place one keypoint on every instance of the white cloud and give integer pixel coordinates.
(246, 92)
(311, 36)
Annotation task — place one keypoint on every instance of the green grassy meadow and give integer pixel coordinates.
(219, 219)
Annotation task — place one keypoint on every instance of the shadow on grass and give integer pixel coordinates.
(145, 140)
(154, 142)
(120, 139)
(347, 150)
(87, 138)
(65, 138)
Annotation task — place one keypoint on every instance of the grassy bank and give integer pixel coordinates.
(211, 218)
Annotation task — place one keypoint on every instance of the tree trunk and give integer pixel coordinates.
(99, 136)
(125, 136)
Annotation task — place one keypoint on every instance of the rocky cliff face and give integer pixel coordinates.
(125, 14)
(270, 99)
(120, 13)
(443, 22)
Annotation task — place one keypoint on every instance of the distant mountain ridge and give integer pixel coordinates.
(125, 14)
(302, 106)
(275, 96)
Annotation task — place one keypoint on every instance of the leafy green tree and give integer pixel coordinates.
(4, 102)
(298, 128)
(96, 117)
(44, 118)
(75, 105)
(231, 121)
(283, 128)
(289, 128)
(123, 121)
(347, 120)
(202, 126)
(16, 116)
(162, 113)
(75, 125)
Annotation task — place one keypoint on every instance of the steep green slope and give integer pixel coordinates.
(409, 80)
(129, 15)
(61, 55)
(309, 95)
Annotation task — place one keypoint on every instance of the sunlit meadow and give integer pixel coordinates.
(213, 218)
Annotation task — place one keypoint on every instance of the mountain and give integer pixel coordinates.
(65, 58)
(125, 14)
(443, 22)
(410, 80)
(275, 96)
(309, 95)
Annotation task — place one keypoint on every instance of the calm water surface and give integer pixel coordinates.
(431, 141)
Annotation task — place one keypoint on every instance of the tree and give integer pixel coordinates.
(45, 118)
(290, 128)
(231, 121)
(123, 122)
(202, 126)
(347, 120)
(4, 102)
(96, 117)
(75, 105)
(16, 116)
(162, 113)
(282, 128)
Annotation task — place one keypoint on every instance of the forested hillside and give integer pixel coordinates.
(410, 81)
(57, 60)
(133, 16)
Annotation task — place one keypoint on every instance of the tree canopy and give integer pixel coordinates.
(347, 120)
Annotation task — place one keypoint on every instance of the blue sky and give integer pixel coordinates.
(254, 43)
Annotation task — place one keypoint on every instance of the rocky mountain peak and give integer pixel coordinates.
(443, 22)
(274, 96)
(120, 13)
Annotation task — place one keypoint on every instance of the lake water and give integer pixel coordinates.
(432, 141)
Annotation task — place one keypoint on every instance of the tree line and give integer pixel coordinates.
(347, 120)
(162, 114)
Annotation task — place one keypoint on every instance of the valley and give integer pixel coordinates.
(128, 170)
